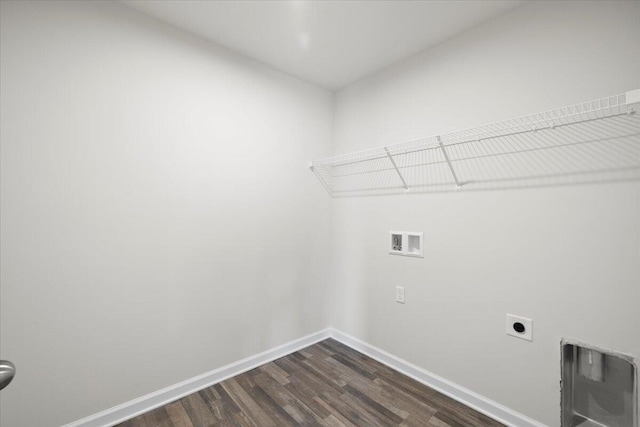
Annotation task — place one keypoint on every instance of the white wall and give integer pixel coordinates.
(566, 257)
(158, 219)
(158, 222)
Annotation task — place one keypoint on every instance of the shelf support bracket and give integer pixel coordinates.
(404, 183)
(446, 157)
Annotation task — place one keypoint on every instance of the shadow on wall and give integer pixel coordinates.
(593, 142)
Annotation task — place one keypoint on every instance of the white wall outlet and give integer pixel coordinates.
(519, 327)
(400, 294)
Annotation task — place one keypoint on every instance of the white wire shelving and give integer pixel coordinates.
(595, 141)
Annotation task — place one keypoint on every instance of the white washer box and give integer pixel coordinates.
(406, 243)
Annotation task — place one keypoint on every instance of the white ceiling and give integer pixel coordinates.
(327, 43)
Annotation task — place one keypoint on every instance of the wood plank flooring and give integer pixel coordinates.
(326, 384)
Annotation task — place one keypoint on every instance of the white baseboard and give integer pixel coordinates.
(465, 396)
(133, 408)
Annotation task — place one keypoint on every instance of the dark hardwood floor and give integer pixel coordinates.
(326, 384)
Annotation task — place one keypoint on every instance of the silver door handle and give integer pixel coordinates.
(7, 372)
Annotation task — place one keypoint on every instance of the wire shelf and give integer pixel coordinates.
(596, 141)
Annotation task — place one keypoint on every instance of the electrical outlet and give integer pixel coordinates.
(520, 327)
(400, 294)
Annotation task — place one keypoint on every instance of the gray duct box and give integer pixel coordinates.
(599, 387)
